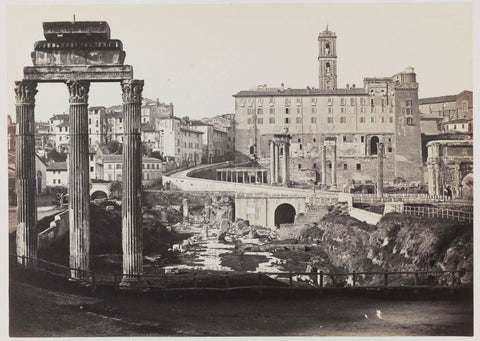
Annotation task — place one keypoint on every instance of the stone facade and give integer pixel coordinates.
(450, 165)
(385, 110)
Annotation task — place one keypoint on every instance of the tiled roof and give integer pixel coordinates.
(439, 99)
(301, 92)
(63, 124)
(57, 166)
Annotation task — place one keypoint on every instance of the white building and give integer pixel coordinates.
(57, 174)
(110, 169)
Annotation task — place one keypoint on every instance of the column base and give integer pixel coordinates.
(334, 188)
(133, 283)
(323, 187)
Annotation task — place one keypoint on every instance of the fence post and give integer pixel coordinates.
(321, 279)
(290, 279)
(354, 278)
(386, 279)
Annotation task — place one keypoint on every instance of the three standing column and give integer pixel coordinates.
(78, 179)
(277, 162)
(132, 227)
(26, 234)
(286, 173)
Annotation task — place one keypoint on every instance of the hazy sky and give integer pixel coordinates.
(198, 56)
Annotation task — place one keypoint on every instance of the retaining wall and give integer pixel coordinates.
(58, 227)
(366, 216)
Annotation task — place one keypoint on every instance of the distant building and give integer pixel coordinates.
(214, 141)
(110, 169)
(59, 132)
(96, 126)
(349, 120)
(42, 135)
(443, 110)
(57, 175)
(11, 127)
(227, 123)
(180, 142)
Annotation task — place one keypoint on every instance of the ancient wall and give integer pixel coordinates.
(58, 227)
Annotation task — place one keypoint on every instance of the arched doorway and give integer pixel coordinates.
(373, 145)
(99, 195)
(284, 214)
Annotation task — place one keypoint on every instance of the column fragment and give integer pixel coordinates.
(26, 232)
(379, 170)
(272, 162)
(78, 179)
(324, 166)
(132, 227)
(334, 165)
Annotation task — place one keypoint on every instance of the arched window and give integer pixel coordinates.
(373, 145)
(327, 67)
(327, 48)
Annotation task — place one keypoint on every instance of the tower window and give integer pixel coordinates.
(327, 48)
(299, 166)
(287, 121)
(286, 110)
(314, 166)
(327, 67)
(345, 166)
(359, 167)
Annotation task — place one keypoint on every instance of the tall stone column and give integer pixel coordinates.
(379, 170)
(277, 162)
(78, 179)
(132, 226)
(272, 162)
(185, 211)
(334, 165)
(286, 171)
(324, 167)
(26, 233)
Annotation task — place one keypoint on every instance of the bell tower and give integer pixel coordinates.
(327, 58)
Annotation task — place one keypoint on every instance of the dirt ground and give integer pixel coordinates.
(36, 312)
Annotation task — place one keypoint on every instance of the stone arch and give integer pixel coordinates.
(98, 195)
(284, 214)
(373, 145)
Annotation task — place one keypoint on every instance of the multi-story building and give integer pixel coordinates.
(214, 141)
(153, 111)
(151, 137)
(42, 135)
(59, 126)
(227, 123)
(180, 141)
(96, 126)
(109, 168)
(447, 113)
(384, 110)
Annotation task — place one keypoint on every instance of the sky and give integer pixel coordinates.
(197, 56)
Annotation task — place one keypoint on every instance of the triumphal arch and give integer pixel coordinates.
(78, 53)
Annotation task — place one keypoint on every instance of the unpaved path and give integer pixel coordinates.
(41, 312)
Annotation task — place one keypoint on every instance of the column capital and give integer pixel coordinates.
(78, 90)
(132, 90)
(25, 91)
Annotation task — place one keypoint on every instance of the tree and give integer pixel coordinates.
(56, 156)
(114, 147)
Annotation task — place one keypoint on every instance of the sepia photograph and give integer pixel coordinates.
(239, 169)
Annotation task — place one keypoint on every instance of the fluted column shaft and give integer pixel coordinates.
(286, 173)
(78, 179)
(272, 162)
(26, 232)
(379, 170)
(324, 165)
(132, 227)
(334, 165)
(277, 162)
